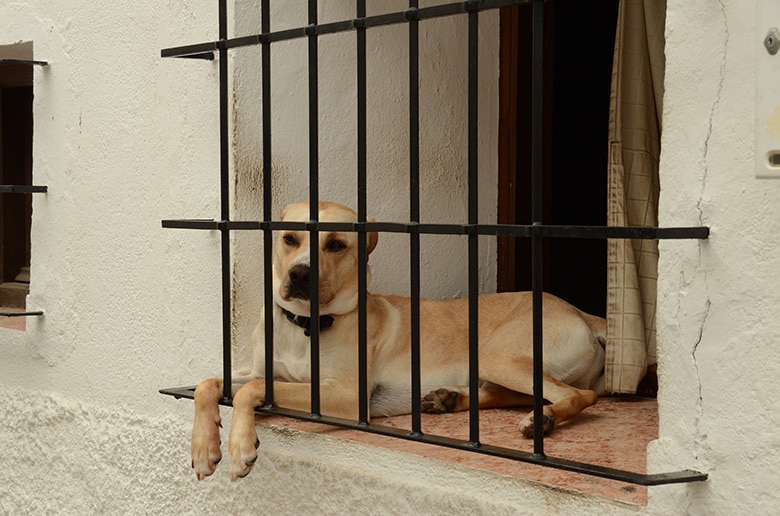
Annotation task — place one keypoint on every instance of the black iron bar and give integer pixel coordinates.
(28, 62)
(414, 216)
(473, 219)
(412, 14)
(21, 314)
(268, 295)
(644, 479)
(314, 197)
(23, 189)
(547, 231)
(537, 251)
(362, 160)
(224, 185)
(507, 453)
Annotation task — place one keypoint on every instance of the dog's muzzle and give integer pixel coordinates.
(298, 282)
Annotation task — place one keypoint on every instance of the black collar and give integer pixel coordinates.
(326, 321)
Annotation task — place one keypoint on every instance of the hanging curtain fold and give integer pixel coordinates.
(633, 187)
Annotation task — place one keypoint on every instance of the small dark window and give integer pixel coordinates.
(16, 122)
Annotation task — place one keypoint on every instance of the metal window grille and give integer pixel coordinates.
(22, 189)
(537, 231)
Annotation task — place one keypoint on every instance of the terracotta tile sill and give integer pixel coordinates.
(613, 433)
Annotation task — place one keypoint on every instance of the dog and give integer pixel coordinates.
(573, 350)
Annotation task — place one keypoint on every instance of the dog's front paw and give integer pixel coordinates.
(205, 445)
(527, 424)
(440, 401)
(242, 448)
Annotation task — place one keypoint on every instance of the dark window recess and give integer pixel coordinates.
(576, 120)
(536, 231)
(16, 139)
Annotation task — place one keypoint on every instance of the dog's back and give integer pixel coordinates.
(573, 346)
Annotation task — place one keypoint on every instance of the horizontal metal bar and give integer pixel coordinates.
(643, 479)
(23, 189)
(23, 62)
(551, 231)
(21, 314)
(631, 232)
(423, 13)
(190, 224)
(205, 56)
(197, 51)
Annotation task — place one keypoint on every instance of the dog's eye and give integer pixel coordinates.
(334, 246)
(290, 240)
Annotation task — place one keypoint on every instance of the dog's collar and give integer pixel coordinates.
(326, 321)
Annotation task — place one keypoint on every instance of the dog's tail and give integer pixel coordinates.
(598, 325)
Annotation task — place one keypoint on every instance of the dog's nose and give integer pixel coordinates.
(299, 282)
(300, 274)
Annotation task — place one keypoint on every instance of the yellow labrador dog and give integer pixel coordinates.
(573, 352)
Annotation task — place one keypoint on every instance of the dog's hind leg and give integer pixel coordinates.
(517, 374)
(566, 402)
(455, 399)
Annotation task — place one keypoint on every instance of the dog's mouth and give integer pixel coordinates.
(297, 287)
(294, 291)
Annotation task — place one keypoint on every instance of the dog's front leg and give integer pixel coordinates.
(243, 437)
(242, 448)
(205, 429)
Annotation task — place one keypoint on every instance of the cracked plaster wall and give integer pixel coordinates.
(717, 323)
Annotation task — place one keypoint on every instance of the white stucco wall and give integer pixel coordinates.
(125, 139)
(717, 323)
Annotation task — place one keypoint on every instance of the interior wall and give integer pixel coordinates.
(443, 143)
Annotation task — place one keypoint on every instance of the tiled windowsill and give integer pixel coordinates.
(613, 433)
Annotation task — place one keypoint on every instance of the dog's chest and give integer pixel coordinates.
(292, 357)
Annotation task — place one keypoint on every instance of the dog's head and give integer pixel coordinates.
(338, 257)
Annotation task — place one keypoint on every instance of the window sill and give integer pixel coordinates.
(615, 433)
(12, 323)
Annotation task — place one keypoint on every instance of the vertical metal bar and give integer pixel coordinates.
(363, 399)
(414, 214)
(537, 251)
(473, 218)
(268, 299)
(224, 184)
(314, 211)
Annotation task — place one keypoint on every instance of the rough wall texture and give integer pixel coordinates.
(718, 299)
(124, 139)
(63, 456)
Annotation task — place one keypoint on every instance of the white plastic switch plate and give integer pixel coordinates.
(768, 90)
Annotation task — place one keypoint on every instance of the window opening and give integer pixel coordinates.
(576, 116)
(537, 231)
(16, 140)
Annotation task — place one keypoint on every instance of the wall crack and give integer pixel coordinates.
(700, 435)
(713, 110)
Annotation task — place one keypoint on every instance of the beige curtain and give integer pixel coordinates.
(634, 150)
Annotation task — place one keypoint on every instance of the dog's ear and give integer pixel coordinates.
(373, 238)
(284, 211)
